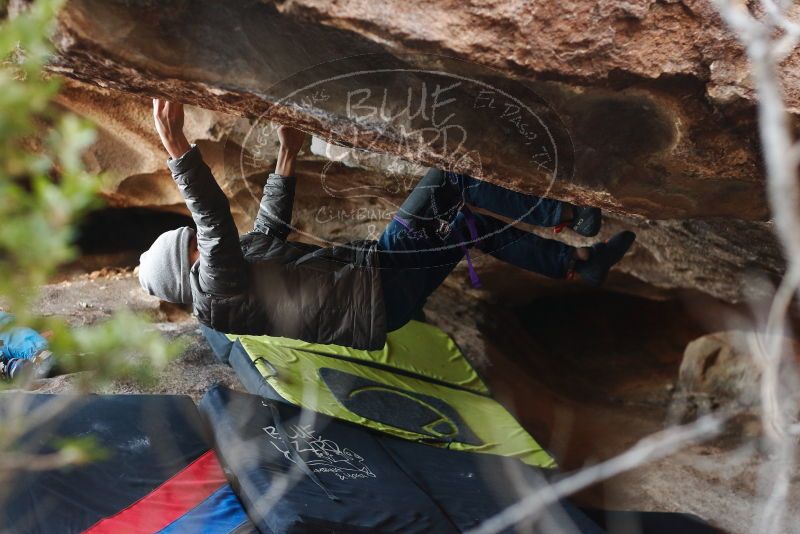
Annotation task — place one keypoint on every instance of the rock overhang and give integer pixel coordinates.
(641, 136)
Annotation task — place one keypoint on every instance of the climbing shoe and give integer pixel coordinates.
(602, 257)
(586, 220)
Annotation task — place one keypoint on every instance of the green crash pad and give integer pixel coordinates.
(419, 387)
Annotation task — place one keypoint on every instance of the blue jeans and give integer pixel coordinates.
(432, 231)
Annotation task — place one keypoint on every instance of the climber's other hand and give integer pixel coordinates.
(168, 117)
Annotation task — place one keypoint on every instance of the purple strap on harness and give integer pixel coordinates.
(402, 221)
(473, 234)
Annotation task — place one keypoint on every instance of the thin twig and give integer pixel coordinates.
(651, 448)
(765, 51)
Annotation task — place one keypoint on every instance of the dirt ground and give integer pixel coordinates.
(589, 397)
(87, 298)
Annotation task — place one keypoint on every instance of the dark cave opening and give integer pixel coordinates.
(604, 347)
(115, 237)
(583, 367)
(117, 229)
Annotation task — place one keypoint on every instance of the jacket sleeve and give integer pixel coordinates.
(222, 269)
(275, 211)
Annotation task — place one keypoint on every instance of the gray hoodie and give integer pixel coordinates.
(164, 268)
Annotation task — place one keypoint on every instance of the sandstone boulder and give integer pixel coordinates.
(622, 91)
(721, 369)
(643, 108)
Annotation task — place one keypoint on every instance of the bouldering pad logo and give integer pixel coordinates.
(425, 415)
(379, 121)
(320, 454)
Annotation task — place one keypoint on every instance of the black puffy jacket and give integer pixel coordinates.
(262, 283)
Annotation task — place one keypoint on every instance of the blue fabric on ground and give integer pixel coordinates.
(20, 342)
(220, 513)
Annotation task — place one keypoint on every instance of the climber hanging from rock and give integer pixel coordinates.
(353, 294)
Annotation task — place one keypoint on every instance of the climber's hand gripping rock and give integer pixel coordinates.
(169, 124)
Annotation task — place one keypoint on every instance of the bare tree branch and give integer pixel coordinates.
(648, 449)
(766, 48)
